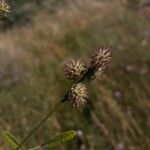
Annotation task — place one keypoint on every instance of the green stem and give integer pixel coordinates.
(39, 124)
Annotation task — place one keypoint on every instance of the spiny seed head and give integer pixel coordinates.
(4, 8)
(99, 61)
(101, 57)
(74, 69)
(78, 95)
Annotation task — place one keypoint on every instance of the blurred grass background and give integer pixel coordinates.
(37, 36)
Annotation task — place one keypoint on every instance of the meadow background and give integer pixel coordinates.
(37, 36)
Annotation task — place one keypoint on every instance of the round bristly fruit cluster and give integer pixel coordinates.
(74, 69)
(81, 73)
(100, 59)
(4, 8)
(78, 95)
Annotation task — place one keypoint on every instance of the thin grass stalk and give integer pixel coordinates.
(39, 124)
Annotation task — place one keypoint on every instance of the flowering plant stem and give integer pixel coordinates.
(77, 95)
(39, 124)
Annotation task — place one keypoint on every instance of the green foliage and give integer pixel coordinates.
(56, 141)
(11, 140)
(62, 138)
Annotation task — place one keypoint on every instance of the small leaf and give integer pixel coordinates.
(11, 140)
(60, 139)
(57, 140)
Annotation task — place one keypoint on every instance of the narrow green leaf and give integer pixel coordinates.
(60, 139)
(57, 140)
(11, 140)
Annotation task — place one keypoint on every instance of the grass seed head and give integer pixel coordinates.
(100, 59)
(74, 69)
(4, 8)
(78, 95)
